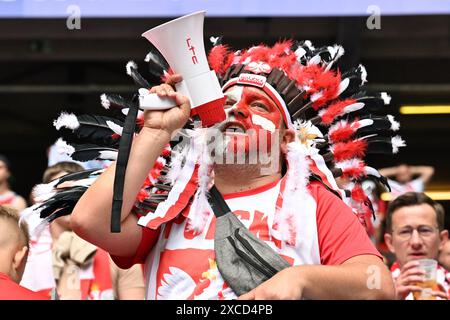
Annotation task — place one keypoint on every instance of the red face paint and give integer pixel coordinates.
(252, 110)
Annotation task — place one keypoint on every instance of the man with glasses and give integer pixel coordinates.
(415, 230)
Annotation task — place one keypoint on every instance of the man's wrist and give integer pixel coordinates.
(158, 134)
(300, 277)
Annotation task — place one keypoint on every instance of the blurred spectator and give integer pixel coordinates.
(407, 178)
(76, 268)
(415, 230)
(13, 256)
(7, 196)
(444, 256)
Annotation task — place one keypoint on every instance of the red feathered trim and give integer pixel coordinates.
(343, 130)
(358, 194)
(220, 58)
(115, 136)
(354, 172)
(335, 110)
(328, 84)
(142, 195)
(166, 151)
(279, 56)
(348, 150)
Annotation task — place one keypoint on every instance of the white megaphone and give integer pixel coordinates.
(180, 41)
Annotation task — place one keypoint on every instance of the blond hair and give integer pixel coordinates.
(11, 214)
(64, 166)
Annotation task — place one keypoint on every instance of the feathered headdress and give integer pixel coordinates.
(337, 123)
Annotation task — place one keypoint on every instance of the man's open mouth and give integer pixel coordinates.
(233, 127)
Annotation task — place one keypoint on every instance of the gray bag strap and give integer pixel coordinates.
(244, 261)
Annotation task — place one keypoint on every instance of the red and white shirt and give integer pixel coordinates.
(8, 198)
(181, 265)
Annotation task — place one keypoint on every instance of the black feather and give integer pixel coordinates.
(92, 129)
(116, 101)
(78, 176)
(157, 65)
(86, 152)
(137, 77)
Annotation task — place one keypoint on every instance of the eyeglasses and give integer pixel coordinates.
(423, 231)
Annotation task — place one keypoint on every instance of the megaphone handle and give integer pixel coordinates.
(152, 101)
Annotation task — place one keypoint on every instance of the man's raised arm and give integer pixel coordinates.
(92, 215)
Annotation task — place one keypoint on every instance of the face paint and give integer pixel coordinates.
(251, 118)
(263, 123)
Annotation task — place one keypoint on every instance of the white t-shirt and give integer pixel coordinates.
(181, 265)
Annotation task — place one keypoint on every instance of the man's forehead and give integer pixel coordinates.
(422, 214)
(248, 91)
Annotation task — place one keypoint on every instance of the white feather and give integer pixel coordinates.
(372, 171)
(299, 53)
(105, 102)
(26, 213)
(130, 65)
(314, 60)
(44, 191)
(353, 107)
(386, 98)
(363, 74)
(200, 209)
(67, 120)
(316, 96)
(308, 43)
(214, 40)
(395, 125)
(397, 142)
(108, 155)
(350, 163)
(148, 57)
(63, 148)
(336, 52)
(295, 191)
(114, 127)
(176, 163)
(364, 123)
(343, 85)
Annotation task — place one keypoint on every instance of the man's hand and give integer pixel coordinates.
(285, 285)
(171, 119)
(410, 274)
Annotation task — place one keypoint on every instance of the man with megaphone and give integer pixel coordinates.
(257, 213)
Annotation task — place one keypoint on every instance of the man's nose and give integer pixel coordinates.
(416, 240)
(237, 111)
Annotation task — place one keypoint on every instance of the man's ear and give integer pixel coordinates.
(444, 237)
(19, 261)
(288, 136)
(388, 240)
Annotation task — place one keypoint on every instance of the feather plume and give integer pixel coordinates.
(133, 72)
(348, 150)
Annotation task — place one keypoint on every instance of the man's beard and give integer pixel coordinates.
(237, 157)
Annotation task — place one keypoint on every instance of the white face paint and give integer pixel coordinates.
(264, 123)
(235, 94)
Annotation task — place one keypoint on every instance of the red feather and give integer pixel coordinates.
(328, 84)
(348, 150)
(166, 151)
(342, 131)
(220, 58)
(355, 171)
(358, 194)
(335, 110)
